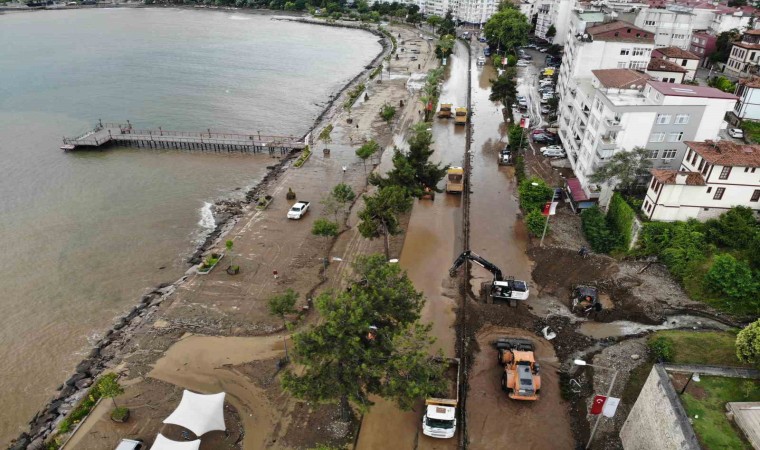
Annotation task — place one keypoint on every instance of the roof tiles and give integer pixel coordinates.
(727, 153)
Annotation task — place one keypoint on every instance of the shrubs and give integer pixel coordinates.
(535, 222)
(662, 348)
(86, 404)
(598, 232)
(731, 278)
(748, 344)
(534, 193)
(305, 154)
(620, 217)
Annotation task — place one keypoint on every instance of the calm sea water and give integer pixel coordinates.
(84, 235)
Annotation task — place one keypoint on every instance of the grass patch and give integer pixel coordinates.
(711, 424)
(715, 348)
(305, 154)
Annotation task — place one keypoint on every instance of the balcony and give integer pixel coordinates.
(613, 124)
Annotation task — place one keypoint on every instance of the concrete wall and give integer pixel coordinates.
(749, 105)
(657, 420)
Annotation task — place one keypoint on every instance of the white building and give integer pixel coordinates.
(664, 70)
(469, 11)
(672, 27)
(622, 109)
(748, 106)
(727, 20)
(555, 13)
(713, 177)
(683, 58)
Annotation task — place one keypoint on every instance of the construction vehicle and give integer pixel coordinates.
(460, 116)
(521, 379)
(505, 156)
(585, 299)
(501, 288)
(440, 419)
(445, 111)
(455, 180)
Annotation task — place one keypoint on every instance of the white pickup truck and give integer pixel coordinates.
(298, 210)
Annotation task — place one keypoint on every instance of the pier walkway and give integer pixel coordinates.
(119, 134)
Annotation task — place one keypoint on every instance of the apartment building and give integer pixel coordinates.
(468, 11)
(554, 13)
(744, 55)
(703, 45)
(713, 177)
(680, 57)
(671, 27)
(622, 109)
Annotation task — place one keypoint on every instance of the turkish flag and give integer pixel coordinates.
(598, 405)
(547, 208)
(430, 106)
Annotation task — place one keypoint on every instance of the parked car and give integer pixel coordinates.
(487, 51)
(737, 133)
(543, 49)
(298, 210)
(482, 39)
(130, 444)
(545, 110)
(544, 138)
(551, 148)
(555, 153)
(522, 63)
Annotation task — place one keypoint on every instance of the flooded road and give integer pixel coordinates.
(433, 240)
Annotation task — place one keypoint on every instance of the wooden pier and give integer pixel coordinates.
(124, 134)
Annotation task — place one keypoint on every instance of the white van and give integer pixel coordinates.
(129, 444)
(481, 60)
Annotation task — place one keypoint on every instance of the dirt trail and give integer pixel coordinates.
(495, 418)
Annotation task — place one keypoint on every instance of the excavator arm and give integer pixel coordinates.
(479, 260)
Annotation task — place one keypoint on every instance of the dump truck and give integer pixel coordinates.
(455, 180)
(440, 419)
(460, 116)
(445, 111)
(521, 379)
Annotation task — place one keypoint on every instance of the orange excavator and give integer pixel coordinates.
(521, 378)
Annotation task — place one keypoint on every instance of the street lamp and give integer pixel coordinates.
(580, 362)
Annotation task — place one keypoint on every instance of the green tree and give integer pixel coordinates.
(504, 88)
(325, 228)
(325, 134)
(597, 231)
(369, 342)
(379, 218)
(733, 229)
(445, 46)
(732, 278)
(722, 83)
(624, 169)
(748, 344)
(509, 28)
(429, 92)
(338, 200)
(388, 112)
(413, 170)
(447, 25)
(551, 32)
(366, 151)
(281, 306)
(535, 222)
(515, 137)
(434, 21)
(723, 45)
(109, 387)
(362, 6)
(534, 193)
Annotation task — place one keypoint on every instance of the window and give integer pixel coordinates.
(675, 137)
(683, 62)
(669, 153)
(649, 23)
(719, 193)
(755, 196)
(753, 170)
(657, 137)
(725, 172)
(709, 189)
(625, 51)
(653, 154)
(663, 119)
(682, 119)
(639, 51)
(622, 65)
(638, 65)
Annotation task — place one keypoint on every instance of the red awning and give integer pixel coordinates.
(577, 192)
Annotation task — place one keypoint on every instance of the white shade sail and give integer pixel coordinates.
(199, 413)
(163, 443)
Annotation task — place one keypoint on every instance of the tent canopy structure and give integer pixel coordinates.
(163, 443)
(199, 413)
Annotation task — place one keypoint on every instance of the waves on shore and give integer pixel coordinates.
(207, 221)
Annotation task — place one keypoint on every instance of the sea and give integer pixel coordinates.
(85, 234)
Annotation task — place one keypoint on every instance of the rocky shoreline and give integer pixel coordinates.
(226, 214)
